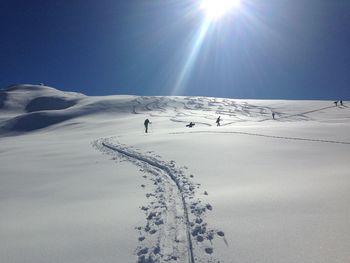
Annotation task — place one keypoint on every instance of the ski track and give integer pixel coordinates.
(173, 178)
(301, 115)
(264, 135)
(175, 218)
(197, 107)
(207, 109)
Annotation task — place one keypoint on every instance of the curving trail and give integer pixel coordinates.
(169, 173)
(175, 228)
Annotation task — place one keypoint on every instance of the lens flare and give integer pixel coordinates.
(215, 9)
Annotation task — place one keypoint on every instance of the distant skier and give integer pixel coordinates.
(273, 115)
(190, 125)
(341, 103)
(218, 121)
(336, 103)
(146, 123)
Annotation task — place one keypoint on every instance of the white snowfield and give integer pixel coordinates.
(81, 181)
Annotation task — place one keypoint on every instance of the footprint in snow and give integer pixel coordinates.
(151, 215)
(199, 220)
(144, 208)
(142, 251)
(200, 239)
(159, 222)
(209, 207)
(220, 233)
(156, 250)
(209, 250)
(210, 236)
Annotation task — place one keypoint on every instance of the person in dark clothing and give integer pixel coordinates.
(336, 103)
(218, 121)
(190, 125)
(146, 123)
(341, 103)
(273, 115)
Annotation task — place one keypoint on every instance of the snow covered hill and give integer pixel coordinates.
(80, 180)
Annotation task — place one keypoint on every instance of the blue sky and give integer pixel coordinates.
(290, 49)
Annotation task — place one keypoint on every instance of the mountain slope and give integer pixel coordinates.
(80, 181)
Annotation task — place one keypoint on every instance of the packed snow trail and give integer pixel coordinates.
(173, 177)
(281, 115)
(264, 135)
(174, 213)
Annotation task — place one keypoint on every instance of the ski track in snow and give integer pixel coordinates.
(48, 107)
(184, 109)
(264, 135)
(175, 229)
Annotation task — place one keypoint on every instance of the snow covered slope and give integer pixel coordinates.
(80, 181)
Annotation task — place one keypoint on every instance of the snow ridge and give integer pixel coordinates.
(175, 213)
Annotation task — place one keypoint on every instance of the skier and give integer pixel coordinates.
(146, 125)
(218, 121)
(190, 125)
(273, 115)
(341, 103)
(336, 103)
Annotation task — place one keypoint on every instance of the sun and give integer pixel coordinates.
(215, 9)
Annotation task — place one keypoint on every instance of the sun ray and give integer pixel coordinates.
(213, 10)
(186, 70)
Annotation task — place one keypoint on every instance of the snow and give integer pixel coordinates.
(80, 181)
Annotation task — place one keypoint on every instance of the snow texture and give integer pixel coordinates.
(81, 181)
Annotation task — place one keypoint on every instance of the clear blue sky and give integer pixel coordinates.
(291, 49)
